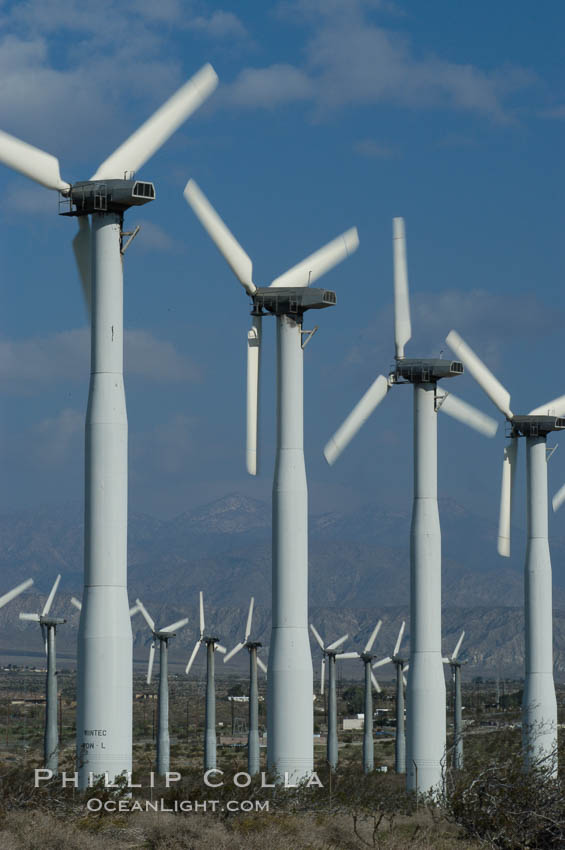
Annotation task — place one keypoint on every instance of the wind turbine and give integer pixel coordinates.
(11, 594)
(48, 629)
(212, 644)
(330, 652)
(401, 667)
(426, 688)
(104, 693)
(253, 752)
(163, 636)
(290, 715)
(78, 605)
(539, 707)
(457, 705)
(366, 656)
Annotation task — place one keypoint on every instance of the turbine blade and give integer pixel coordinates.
(44, 635)
(404, 680)
(506, 493)
(149, 620)
(15, 592)
(498, 394)
(76, 602)
(317, 636)
(323, 674)
(320, 262)
(193, 656)
(33, 618)
(253, 376)
(31, 162)
(233, 651)
(399, 639)
(220, 648)
(446, 660)
(49, 603)
(133, 611)
(558, 499)
(223, 239)
(382, 662)
(467, 414)
(202, 625)
(176, 625)
(406, 667)
(458, 646)
(555, 407)
(343, 655)
(249, 618)
(337, 642)
(376, 685)
(374, 633)
(356, 419)
(142, 144)
(402, 325)
(261, 665)
(151, 660)
(81, 250)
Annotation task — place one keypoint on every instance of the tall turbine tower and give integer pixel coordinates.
(163, 636)
(455, 666)
(401, 667)
(212, 644)
(48, 629)
(370, 681)
(290, 718)
(104, 698)
(253, 753)
(539, 707)
(426, 687)
(330, 652)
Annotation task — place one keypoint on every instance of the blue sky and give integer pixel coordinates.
(329, 114)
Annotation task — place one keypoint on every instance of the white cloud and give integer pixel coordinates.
(218, 25)
(268, 87)
(372, 149)
(154, 238)
(55, 438)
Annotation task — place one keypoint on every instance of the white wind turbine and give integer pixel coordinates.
(163, 636)
(370, 681)
(426, 688)
(253, 752)
(104, 693)
(212, 644)
(289, 707)
(330, 652)
(401, 667)
(539, 707)
(455, 666)
(48, 629)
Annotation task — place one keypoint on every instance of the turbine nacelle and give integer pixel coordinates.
(427, 369)
(93, 196)
(537, 426)
(291, 301)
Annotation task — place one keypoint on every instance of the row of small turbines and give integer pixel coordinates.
(104, 643)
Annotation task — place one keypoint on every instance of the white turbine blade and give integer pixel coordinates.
(343, 655)
(149, 620)
(15, 592)
(382, 662)
(558, 499)
(193, 656)
(555, 407)
(81, 250)
(223, 239)
(376, 685)
(458, 646)
(402, 325)
(220, 648)
(33, 618)
(31, 162)
(178, 624)
(506, 491)
(467, 414)
(337, 642)
(253, 376)
(202, 624)
(446, 660)
(406, 667)
(370, 642)
(44, 635)
(399, 639)
(140, 146)
(323, 674)
(233, 651)
(48, 604)
(151, 660)
(76, 602)
(133, 610)
(317, 636)
(249, 618)
(356, 419)
(498, 394)
(261, 665)
(320, 262)
(404, 680)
